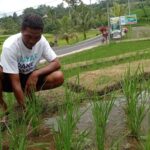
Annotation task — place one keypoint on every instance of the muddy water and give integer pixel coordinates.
(116, 126)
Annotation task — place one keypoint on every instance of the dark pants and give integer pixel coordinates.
(6, 83)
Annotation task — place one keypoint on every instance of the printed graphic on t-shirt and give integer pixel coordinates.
(27, 64)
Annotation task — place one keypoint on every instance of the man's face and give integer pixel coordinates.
(31, 36)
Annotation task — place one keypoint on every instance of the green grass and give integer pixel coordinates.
(22, 123)
(113, 49)
(17, 133)
(142, 20)
(140, 13)
(146, 145)
(101, 111)
(67, 137)
(78, 70)
(135, 109)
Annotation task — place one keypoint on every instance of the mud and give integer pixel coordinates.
(116, 131)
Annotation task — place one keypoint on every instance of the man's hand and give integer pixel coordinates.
(16, 87)
(31, 82)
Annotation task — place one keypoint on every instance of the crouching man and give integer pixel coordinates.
(20, 55)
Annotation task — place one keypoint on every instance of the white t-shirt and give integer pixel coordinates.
(17, 58)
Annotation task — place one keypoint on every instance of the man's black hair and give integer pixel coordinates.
(32, 21)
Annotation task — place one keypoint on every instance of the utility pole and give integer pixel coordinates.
(129, 7)
(108, 18)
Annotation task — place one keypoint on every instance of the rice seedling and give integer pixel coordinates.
(17, 130)
(66, 126)
(33, 111)
(23, 122)
(135, 108)
(1, 139)
(146, 145)
(101, 111)
(68, 137)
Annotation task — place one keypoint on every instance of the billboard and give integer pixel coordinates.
(123, 20)
(129, 19)
(115, 29)
(115, 23)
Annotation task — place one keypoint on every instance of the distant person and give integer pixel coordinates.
(20, 55)
(125, 30)
(104, 32)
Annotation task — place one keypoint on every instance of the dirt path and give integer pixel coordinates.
(140, 32)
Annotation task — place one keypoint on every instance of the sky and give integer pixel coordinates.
(9, 6)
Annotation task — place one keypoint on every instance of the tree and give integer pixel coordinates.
(9, 25)
(29, 10)
(65, 24)
(73, 10)
(73, 3)
(61, 11)
(143, 8)
(83, 19)
(148, 2)
(118, 10)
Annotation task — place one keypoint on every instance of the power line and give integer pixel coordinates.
(20, 10)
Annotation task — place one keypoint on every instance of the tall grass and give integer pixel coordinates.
(1, 139)
(146, 145)
(34, 108)
(135, 108)
(17, 130)
(68, 137)
(24, 122)
(101, 111)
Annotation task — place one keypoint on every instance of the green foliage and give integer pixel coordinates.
(135, 109)
(67, 137)
(84, 19)
(33, 111)
(146, 145)
(10, 25)
(101, 111)
(78, 15)
(118, 10)
(112, 49)
(17, 132)
(92, 58)
(65, 24)
(1, 138)
(73, 3)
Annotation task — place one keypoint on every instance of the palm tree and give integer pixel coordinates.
(118, 10)
(83, 19)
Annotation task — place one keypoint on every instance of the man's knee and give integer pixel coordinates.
(56, 78)
(59, 77)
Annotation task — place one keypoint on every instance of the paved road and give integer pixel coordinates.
(87, 44)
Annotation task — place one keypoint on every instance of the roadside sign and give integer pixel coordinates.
(115, 24)
(129, 19)
(115, 27)
(123, 20)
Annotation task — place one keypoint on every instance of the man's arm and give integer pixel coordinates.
(33, 78)
(52, 66)
(16, 87)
